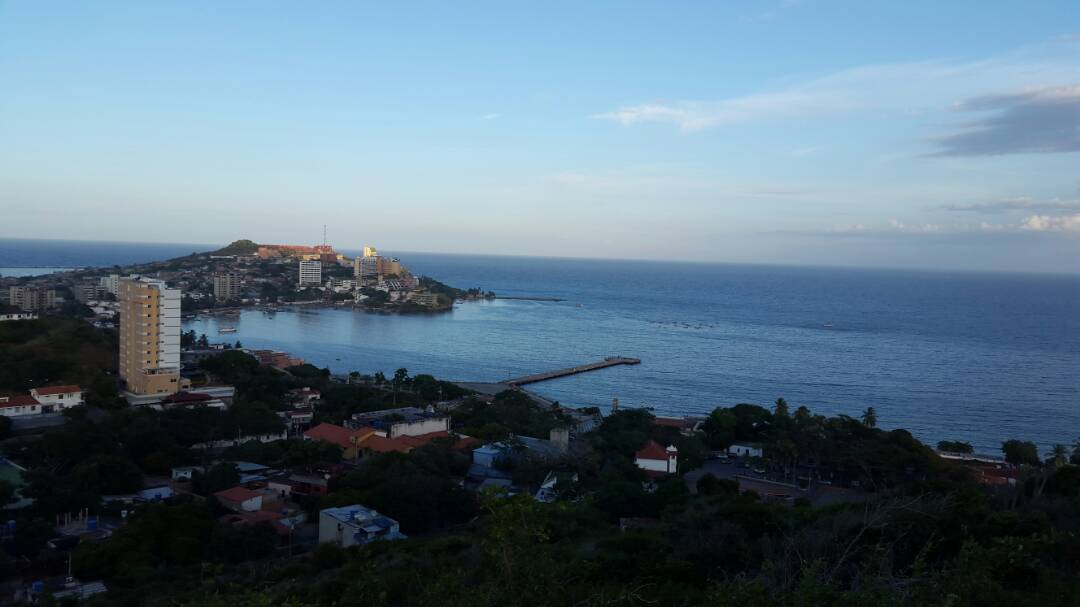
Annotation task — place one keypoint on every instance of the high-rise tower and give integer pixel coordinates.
(149, 335)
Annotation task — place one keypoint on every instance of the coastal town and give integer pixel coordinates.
(114, 431)
(244, 275)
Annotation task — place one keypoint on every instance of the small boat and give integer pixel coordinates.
(827, 325)
(227, 330)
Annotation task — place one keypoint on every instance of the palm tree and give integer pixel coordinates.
(781, 409)
(869, 417)
(1075, 458)
(1059, 456)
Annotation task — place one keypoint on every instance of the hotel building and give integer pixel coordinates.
(149, 336)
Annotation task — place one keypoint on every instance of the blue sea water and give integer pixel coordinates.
(979, 357)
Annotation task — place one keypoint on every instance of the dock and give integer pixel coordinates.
(610, 361)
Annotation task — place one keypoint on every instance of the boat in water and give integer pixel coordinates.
(227, 330)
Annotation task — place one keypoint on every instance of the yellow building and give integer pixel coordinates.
(149, 335)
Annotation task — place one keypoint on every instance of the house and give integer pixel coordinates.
(304, 397)
(657, 460)
(57, 398)
(348, 440)
(745, 450)
(184, 473)
(355, 525)
(549, 489)
(18, 406)
(685, 425)
(240, 499)
(404, 421)
(14, 313)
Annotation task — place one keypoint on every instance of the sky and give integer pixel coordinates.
(887, 134)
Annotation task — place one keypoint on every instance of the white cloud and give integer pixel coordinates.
(491, 116)
(911, 88)
(1052, 223)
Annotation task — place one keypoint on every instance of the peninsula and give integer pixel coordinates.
(246, 274)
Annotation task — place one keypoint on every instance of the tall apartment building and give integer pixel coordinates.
(149, 335)
(227, 286)
(31, 299)
(310, 273)
(366, 267)
(111, 283)
(89, 291)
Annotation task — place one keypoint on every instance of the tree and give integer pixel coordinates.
(1075, 457)
(1059, 456)
(217, 478)
(401, 376)
(1020, 452)
(953, 446)
(869, 417)
(781, 410)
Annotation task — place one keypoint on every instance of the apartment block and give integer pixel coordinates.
(149, 336)
(32, 299)
(227, 286)
(310, 273)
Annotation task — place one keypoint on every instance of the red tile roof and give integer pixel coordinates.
(401, 444)
(652, 450)
(237, 494)
(50, 390)
(20, 400)
(337, 435)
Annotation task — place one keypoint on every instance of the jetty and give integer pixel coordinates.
(610, 361)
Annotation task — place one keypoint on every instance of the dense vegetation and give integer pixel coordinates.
(917, 529)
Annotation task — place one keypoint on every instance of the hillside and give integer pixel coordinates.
(54, 350)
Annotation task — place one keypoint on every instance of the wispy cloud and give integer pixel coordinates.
(1014, 204)
(911, 88)
(1041, 121)
(1033, 223)
(491, 116)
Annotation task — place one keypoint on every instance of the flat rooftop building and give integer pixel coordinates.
(149, 335)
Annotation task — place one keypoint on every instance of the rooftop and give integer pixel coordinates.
(19, 400)
(237, 494)
(653, 450)
(51, 390)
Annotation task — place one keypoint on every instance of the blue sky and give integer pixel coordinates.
(915, 134)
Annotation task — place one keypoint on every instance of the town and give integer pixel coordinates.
(136, 457)
(243, 274)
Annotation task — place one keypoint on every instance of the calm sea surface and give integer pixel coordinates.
(976, 357)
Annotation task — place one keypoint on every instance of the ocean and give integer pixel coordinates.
(979, 357)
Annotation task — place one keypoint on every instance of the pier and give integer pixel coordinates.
(610, 361)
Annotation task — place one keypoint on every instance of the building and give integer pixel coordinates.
(13, 313)
(370, 252)
(18, 406)
(149, 336)
(745, 450)
(355, 525)
(657, 460)
(111, 283)
(31, 299)
(366, 267)
(58, 398)
(310, 273)
(89, 291)
(387, 266)
(240, 499)
(423, 298)
(404, 421)
(348, 440)
(227, 286)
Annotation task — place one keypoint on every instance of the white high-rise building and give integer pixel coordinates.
(111, 283)
(310, 273)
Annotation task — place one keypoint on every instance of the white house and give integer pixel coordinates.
(13, 313)
(745, 450)
(656, 460)
(404, 421)
(17, 406)
(57, 398)
(355, 525)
